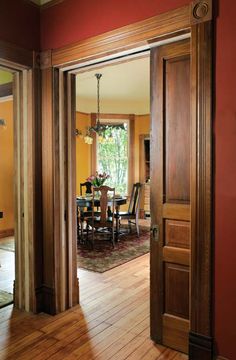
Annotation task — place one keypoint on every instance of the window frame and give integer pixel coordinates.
(114, 119)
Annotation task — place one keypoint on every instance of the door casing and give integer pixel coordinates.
(58, 70)
(27, 148)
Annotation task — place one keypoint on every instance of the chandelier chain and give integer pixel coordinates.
(98, 128)
(98, 76)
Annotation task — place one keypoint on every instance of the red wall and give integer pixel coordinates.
(73, 20)
(225, 181)
(20, 23)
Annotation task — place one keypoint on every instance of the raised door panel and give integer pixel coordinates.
(174, 332)
(170, 203)
(177, 129)
(177, 234)
(177, 290)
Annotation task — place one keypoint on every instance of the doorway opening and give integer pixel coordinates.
(170, 189)
(125, 110)
(18, 143)
(200, 119)
(169, 265)
(7, 174)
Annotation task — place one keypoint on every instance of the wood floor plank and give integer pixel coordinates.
(111, 322)
(111, 350)
(69, 344)
(156, 353)
(169, 354)
(21, 344)
(33, 350)
(179, 356)
(128, 349)
(140, 352)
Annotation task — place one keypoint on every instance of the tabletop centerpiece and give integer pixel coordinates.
(98, 179)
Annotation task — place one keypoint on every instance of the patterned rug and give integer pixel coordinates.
(5, 298)
(104, 257)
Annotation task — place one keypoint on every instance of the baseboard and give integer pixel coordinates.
(6, 233)
(200, 347)
(45, 299)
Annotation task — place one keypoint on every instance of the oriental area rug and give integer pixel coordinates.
(5, 298)
(104, 257)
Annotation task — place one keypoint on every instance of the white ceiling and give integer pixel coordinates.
(124, 88)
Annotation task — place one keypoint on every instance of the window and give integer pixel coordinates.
(112, 157)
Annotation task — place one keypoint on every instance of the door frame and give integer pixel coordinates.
(58, 83)
(26, 141)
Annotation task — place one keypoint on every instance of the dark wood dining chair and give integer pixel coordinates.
(132, 215)
(85, 188)
(102, 224)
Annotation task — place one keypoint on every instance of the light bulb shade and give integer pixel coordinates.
(88, 140)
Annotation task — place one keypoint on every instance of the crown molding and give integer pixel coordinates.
(46, 5)
(50, 4)
(137, 34)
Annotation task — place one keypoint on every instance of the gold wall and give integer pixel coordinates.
(7, 167)
(83, 152)
(142, 127)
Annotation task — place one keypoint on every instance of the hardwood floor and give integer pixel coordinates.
(112, 322)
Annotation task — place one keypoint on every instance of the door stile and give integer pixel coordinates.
(170, 194)
(201, 337)
(156, 191)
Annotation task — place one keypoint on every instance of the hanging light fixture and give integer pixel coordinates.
(98, 128)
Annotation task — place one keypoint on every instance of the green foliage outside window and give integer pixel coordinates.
(113, 157)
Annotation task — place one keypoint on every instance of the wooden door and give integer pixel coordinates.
(170, 194)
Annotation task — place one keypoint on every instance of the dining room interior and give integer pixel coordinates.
(121, 151)
(113, 150)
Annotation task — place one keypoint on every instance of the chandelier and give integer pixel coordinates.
(99, 128)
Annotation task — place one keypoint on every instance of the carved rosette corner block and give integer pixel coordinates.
(201, 11)
(46, 59)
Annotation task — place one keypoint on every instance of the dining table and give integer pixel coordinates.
(85, 202)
